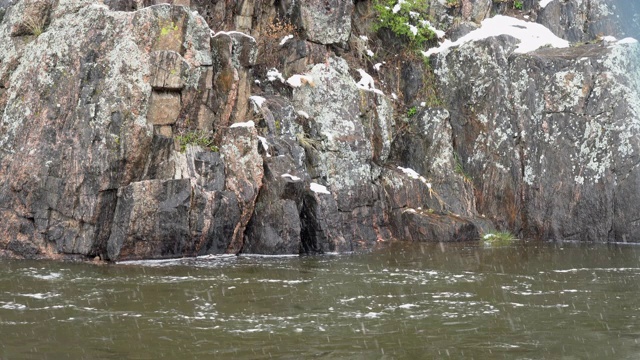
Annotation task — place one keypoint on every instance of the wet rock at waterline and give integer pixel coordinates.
(162, 131)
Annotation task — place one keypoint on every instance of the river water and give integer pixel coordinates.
(404, 301)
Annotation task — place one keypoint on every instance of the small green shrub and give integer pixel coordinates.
(412, 111)
(405, 19)
(517, 4)
(453, 3)
(196, 137)
(498, 238)
(460, 169)
(35, 24)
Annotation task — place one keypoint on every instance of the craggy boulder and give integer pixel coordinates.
(244, 172)
(343, 137)
(484, 132)
(275, 226)
(326, 22)
(426, 147)
(422, 226)
(151, 220)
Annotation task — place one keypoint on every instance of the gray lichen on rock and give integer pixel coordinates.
(140, 130)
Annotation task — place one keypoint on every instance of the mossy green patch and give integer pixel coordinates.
(169, 28)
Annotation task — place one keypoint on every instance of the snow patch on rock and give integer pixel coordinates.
(292, 177)
(366, 82)
(532, 36)
(298, 80)
(544, 3)
(319, 189)
(249, 123)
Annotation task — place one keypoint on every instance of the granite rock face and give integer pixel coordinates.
(326, 22)
(85, 167)
(153, 129)
(553, 154)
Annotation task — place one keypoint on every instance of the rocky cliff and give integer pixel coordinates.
(144, 129)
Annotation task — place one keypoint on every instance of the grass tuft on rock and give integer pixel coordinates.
(498, 238)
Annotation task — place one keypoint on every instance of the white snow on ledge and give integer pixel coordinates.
(628, 40)
(265, 145)
(320, 189)
(273, 75)
(532, 36)
(249, 123)
(439, 33)
(414, 175)
(410, 172)
(285, 39)
(298, 80)
(366, 82)
(233, 32)
(544, 3)
(257, 100)
(292, 177)
(611, 40)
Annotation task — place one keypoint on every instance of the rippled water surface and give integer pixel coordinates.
(409, 301)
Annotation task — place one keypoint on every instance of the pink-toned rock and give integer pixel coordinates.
(73, 129)
(235, 53)
(168, 70)
(35, 17)
(244, 171)
(164, 108)
(165, 131)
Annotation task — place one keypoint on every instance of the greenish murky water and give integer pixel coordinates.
(407, 301)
